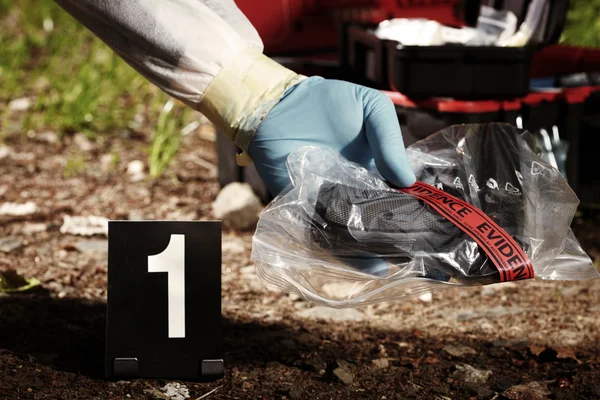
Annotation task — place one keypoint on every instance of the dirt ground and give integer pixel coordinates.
(527, 340)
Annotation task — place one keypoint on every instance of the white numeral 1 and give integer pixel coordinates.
(172, 261)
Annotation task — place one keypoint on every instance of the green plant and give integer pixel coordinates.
(167, 138)
(583, 24)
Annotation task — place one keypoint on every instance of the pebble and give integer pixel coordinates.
(20, 104)
(381, 363)
(343, 375)
(325, 313)
(233, 246)
(469, 374)
(85, 226)
(17, 209)
(529, 391)
(4, 151)
(31, 228)
(83, 142)
(135, 215)
(237, 206)
(341, 290)
(426, 297)
(135, 170)
(92, 246)
(47, 137)
(176, 391)
(10, 243)
(458, 350)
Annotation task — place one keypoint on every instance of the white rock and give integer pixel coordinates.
(106, 162)
(135, 170)
(325, 313)
(469, 374)
(92, 246)
(85, 226)
(31, 228)
(83, 142)
(426, 297)
(4, 152)
(530, 391)
(237, 206)
(135, 215)
(10, 243)
(458, 350)
(21, 104)
(48, 137)
(176, 391)
(233, 246)
(341, 290)
(16, 209)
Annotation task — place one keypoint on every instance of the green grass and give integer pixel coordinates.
(76, 83)
(583, 24)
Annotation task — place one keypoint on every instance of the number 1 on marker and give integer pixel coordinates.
(172, 261)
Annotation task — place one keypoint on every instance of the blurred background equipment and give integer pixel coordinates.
(472, 61)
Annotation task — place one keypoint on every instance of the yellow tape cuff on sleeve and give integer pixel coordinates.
(242, 93)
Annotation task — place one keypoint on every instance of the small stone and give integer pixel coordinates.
(135, 215)
(47, 137)
(467, 373)
(83, 142)
(458, 350)
(4, 151)
(233, 246)
(92, 246)
(381, 363)
(31, 228)
(128, 395)
(156, 394)
(106, 162)
(343, 375)
(237, 206)
(85, 226)
(176, 391)
(18, 209)
(426, 297)
(325, 313)
(527, 391)
(10, 243)
(341, 290)
(20, 104)
(135, 170)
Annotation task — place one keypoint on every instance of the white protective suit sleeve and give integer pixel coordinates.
(203, 52)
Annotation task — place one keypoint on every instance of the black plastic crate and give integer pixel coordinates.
(419, 119)
(461, 72)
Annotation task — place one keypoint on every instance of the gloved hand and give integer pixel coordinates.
(358, 122)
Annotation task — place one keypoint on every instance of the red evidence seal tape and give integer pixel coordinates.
(506, 255)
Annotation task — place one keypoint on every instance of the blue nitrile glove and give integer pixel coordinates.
(358, 122)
